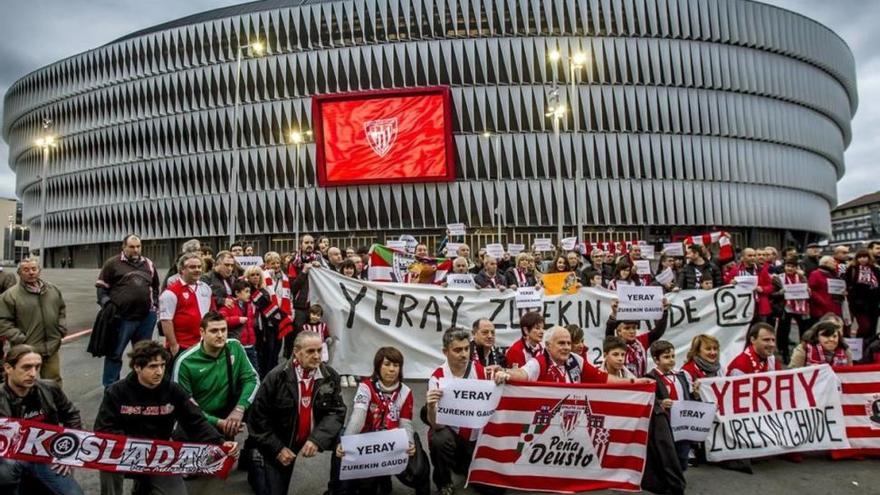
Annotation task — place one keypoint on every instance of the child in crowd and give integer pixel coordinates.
(316, 324)
(706, 283)
(241, 320)
(577, 341)
(672, 385)
(614, 357)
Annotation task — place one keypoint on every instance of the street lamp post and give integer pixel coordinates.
(46, 142)
(576, 64)
(557, 112)
(298, 138)
(256, 48)
(496, 138)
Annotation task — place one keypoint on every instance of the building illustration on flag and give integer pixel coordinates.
(569, 414)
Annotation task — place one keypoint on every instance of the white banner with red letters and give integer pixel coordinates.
(365, 315)
(565, 438)
(31, 441)
(860, 398)
(780, 412)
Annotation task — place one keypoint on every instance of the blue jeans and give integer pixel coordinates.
(132, 331)
(11, 473)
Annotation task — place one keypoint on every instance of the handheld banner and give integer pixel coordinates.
(569, 243)
(560, 283)
(647, 251)
(515, 249)
(529, 298)
(691, 420)
(543, 245)
(673, 249)
(396, 245)
(836, 287)
(565, 438)
(460, 281)
(796, 291)
(774, 413)
(495, 250)
(452, 249)
(643, 267)
(746, 283)
(639, 302)
(856, 347)
(248, 261)
(665, 277)
(457, 229)
(413, 316)
(379, 453)
(860, 396)
(30, 441)
(467, 403)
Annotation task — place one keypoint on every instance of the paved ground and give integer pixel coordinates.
(82, 375)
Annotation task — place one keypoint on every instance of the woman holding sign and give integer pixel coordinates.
(383, 402)
(787, 305)
(822, 344)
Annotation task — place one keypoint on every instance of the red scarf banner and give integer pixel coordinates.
(30, 441)
(565, 438)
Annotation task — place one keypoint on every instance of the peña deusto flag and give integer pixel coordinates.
(380, 137)
(565, 438)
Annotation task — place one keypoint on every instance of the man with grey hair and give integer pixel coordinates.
(451, 447)
(183, 304)
(33, 312)
(489, 277)
(190, 246)
(557, 364)
(298, 412)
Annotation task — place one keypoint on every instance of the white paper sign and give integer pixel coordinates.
(569, 243)
(836, 286)
(856, 347)
(467, 403)
(665, 277)
(452, 249)
(639, 302)
(796, 291)
(529, 298)
(401, 245)
(543, 245)
(456, 229)
(643, 267)
(647, 251)
(495, 250)
(515, 249)
(379, 453)
(247, 261)
(460, 281)
(746, 283)
(691, 420)
(673, 249)
(411, 242)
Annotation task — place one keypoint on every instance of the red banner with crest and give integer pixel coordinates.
(380, 137)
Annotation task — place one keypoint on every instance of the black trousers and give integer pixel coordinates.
(300, 318)
(449, 453)
(784, 329)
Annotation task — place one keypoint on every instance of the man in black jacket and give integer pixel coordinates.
(145, 405)
(129, 282)
(697, 267)
(221, 278)
(298, 411)
(25, 396)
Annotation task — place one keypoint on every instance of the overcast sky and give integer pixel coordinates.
(39, 32)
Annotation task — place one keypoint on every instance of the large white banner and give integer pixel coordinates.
(364, 316)
(774, 413)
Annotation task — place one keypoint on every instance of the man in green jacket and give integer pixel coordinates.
(33, 313)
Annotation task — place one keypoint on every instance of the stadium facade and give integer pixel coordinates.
(692, 115)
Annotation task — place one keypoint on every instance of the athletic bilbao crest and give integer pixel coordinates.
(872, 408)
(566, 435)
(381, 134)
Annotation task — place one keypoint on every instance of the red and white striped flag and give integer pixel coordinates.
(565, 438)
(860, 399)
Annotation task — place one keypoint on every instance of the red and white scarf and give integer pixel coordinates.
(867, 277)
(636, 358)
(669, 380)
(522, 279)
(816, 355)
(532, 350)
(795, 306)
(758, 365)
(306, 381)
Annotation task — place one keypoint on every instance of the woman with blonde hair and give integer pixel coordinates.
(703, 358)
(523, 274)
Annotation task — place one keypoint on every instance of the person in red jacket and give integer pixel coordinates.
(821, 301)
(759, 355)
(531, 344)
(241, 318)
